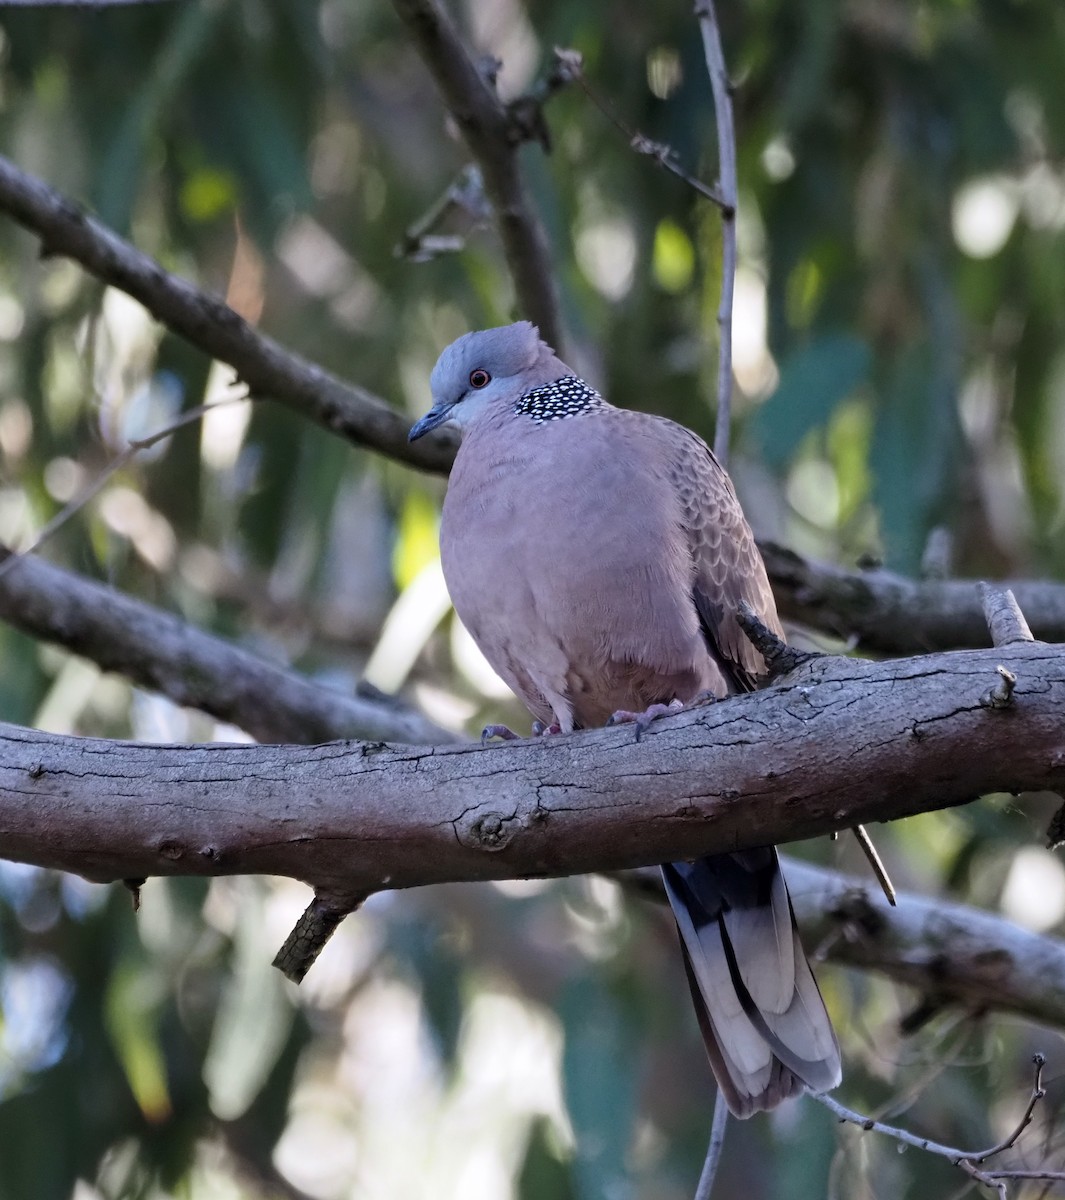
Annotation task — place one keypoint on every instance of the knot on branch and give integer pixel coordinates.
(1000, 695)
(780, 658)
(526, 120)
(490, 831)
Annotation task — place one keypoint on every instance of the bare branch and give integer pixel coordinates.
(705, 1187)
(268, 370)
(729, 190)
(846, 742)
(877, 864)
(659, 153)
(968, 1161)
(158, 650)
(487, 129)
(949, 952)
(314, 928)
(887, 613)
(96, 485)
(1005, 621)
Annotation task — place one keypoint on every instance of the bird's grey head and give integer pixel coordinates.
(486, 370)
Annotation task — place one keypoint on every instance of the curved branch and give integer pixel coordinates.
(487, 129)
(949, 952)
(158, 650)
(843, 742)
(207, 322)
(887, 613)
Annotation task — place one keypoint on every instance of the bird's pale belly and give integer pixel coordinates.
(580, 623)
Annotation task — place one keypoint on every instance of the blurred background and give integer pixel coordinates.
(899, 335)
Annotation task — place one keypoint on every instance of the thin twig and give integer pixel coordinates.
(967, 1160)
(876, 862)
(937, 560)
(421, 241)
(487, 128)
(708, 1174)
(729, 190)
(134, 447)
(659, 152)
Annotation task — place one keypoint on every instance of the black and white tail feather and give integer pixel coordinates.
(764, 1023)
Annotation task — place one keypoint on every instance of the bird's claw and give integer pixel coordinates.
(498, 731)
(539, 729)
(642, 720)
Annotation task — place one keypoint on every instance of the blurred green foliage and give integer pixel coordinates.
(900, 320)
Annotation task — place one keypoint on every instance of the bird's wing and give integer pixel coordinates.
(726, 564)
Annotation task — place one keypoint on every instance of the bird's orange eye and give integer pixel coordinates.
(479, 378)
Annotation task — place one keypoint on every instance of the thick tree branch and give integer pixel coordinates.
(493, 141)
(887, 613)
(951, 953)
(840, 743)
(269, 370)
(158, 650)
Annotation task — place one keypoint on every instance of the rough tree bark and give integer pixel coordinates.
(841, 741)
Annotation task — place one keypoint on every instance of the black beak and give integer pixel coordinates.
(436, 416)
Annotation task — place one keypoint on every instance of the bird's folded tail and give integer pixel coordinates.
(762, 1017)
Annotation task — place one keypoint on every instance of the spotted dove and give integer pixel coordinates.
(598, 556)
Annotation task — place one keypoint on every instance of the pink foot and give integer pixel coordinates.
(539, 729)
(643, 719)
(499, 731)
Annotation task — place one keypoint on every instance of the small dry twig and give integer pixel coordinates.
(659, 152)
(315, 927)
(1005, 621)
(133, 448)
(969, 1161)
(877, 863)
(465, 195)
(937, 561)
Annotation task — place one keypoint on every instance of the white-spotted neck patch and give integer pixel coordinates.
(566, 397)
